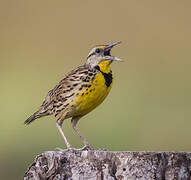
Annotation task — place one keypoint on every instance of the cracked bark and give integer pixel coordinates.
(107, 165)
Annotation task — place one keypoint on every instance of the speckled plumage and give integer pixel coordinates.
(80, 91)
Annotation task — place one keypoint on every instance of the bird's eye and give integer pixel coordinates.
(98, 50)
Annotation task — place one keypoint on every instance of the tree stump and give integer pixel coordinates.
(107, 165)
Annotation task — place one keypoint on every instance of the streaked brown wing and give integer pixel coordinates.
(62, 94)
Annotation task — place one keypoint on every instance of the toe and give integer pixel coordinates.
(87, 148)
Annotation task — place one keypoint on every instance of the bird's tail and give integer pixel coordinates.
(40, 113)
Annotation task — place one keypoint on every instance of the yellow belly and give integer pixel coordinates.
(90, 98)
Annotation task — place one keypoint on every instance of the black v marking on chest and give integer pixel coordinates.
(107, 76)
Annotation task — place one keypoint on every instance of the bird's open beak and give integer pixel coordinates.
(107, 52)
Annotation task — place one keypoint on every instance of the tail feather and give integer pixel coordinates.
(36, 115)
(30, 119)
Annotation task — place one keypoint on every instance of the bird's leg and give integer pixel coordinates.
(74, 122)
(59, 126)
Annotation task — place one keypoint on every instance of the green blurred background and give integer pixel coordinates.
(149, 105)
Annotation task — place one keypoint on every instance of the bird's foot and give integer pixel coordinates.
(70, 149)
(86, 148)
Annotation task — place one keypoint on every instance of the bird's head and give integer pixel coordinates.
(101, 53)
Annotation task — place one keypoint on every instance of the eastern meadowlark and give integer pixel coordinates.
(82, 90)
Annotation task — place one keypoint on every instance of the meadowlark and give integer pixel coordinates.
(82, 90)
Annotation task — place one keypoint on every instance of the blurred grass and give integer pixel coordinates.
(149, 105)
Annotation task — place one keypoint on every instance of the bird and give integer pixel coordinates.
(80, 91)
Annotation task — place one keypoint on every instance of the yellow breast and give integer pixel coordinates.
(90, 98)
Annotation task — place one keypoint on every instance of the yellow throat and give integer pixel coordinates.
(105, 66)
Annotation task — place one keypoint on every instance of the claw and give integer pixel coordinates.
(87, 148)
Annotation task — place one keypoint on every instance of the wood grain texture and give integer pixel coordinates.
(107, 165)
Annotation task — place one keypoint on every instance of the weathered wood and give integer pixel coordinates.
(107, 165)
